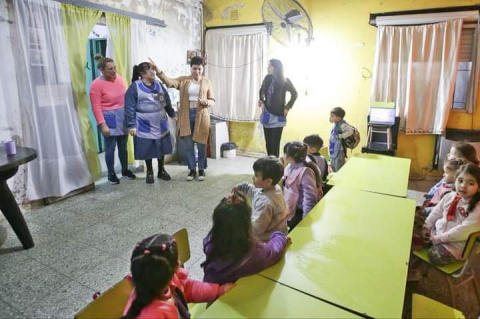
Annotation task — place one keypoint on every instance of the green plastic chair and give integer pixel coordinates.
(459, 269)
(423, 307)
(324, 153)
(111, 303)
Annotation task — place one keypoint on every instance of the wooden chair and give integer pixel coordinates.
(423, 307)
(460, 269)
(111, 303)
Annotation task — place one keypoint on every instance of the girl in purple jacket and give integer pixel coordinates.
(302, 183)
(231, 250)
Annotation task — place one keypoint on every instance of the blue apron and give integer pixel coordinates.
(115, 121)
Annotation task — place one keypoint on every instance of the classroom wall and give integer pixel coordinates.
(334, 71)
(168, 46)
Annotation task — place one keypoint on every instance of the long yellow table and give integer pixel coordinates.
(258, 297)
(353, 250)
(374, 173)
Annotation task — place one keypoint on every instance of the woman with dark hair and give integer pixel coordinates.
(196, 96)
(274, 109)
(147, 104)
(232, 251)
(107, 96)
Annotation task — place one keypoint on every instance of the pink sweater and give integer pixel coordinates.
(107, 96)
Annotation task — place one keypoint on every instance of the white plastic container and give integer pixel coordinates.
(230, 153)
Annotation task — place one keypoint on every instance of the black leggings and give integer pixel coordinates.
(149, 163)
(272, 139)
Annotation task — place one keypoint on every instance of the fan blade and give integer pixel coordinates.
(292, 13)
(288, 32)
(276, 11)
(295, 19)
(299, 26)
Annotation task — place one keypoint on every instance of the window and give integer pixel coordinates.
(464, 68)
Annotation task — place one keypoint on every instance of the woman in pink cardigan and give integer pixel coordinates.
(107, 96)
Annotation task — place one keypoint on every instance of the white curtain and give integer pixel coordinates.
(415, 67)
(10, 118)
(138, 40)
(50, 123)
(237, 60)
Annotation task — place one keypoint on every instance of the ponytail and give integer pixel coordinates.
(140, 69)
(153, 265)
(135, 73)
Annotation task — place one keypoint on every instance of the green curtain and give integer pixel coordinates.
(119, 28)
(78, 22)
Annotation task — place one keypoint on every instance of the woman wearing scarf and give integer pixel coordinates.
(272, 101)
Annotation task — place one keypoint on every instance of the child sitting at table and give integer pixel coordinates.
(462, 151)
(314, 143)
(455, 217)
(161, 287)
(231, 250)
(450, 169)
(302, 183)
(269, 213)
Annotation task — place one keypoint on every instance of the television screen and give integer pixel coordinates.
(382, 116)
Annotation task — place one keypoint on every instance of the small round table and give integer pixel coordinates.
(8, 205)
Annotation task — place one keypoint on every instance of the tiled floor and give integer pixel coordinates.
(83, 244)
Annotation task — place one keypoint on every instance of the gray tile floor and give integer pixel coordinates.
(83, 244)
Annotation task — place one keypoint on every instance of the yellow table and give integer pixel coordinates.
(258, 297)
(353, 250)
(374, 173)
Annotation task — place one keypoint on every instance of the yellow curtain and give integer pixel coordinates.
(78, 22)
(119, 29)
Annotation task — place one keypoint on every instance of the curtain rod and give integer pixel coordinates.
(101, 7)
(373, 16)
(234, 26)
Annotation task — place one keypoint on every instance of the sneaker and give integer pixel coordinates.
(162, 174)
(201, 175)
(150, 179)
(191, 176)
(128, 174)
(113, 179)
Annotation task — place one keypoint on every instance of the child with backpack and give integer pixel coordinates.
(341, 130)
(162, 288)
(314, 143)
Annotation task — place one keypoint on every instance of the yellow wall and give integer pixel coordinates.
(333, 71)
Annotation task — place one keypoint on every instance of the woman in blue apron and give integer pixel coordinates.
(274, 108)
(147, 104)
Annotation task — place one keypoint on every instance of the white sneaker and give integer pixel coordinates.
(191, 176)
(201, 175)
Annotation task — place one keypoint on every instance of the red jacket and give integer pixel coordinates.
(193, 291)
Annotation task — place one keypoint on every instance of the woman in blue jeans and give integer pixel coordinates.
(196, 97)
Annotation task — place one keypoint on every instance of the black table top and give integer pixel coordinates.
(24, 155)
